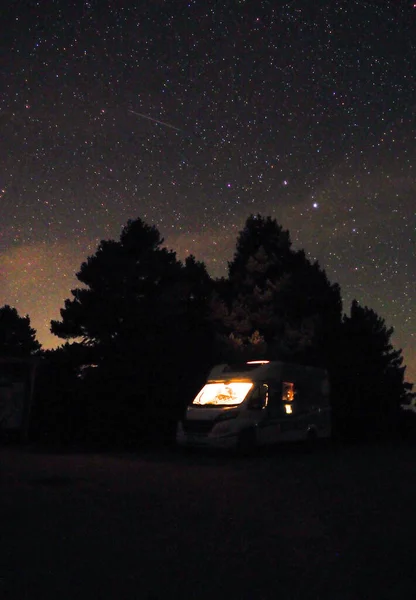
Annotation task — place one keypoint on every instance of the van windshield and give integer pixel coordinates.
(223, 394)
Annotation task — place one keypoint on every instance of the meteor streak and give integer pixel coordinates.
(154, 120)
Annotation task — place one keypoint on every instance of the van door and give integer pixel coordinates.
(269, 428)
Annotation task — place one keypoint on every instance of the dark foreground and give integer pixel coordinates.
(288, 524)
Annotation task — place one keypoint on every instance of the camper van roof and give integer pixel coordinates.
(247, 366)
(260, 369)
(251, 369)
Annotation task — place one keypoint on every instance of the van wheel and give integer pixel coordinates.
(246, 442)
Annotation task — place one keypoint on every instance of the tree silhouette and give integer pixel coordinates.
(368, 375)
(275, 301)
(58, 414)
(120, 282)
(142, 316)
(17, 337)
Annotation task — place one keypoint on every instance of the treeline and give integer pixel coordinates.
(143, 328)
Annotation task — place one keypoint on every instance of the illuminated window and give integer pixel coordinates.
(288, 391)
(223, 394)
(259, 397)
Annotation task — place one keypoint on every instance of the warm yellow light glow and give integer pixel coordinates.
(223, 394)
(258, 362)
(288, 409)
(288, 391)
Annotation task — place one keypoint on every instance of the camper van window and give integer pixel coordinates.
(259, 397)
(229, 393)
(288, 391)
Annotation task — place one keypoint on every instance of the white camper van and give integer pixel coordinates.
(257, 403)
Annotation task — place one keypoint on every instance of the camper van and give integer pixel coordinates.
(257, 403)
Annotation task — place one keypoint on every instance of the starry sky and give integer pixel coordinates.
(194, 114)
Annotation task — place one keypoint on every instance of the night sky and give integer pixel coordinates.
(192, 115)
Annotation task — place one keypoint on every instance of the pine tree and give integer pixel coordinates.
(17, 337)
(142, 316)
(120, 283)
(275, 292)
(368, 375)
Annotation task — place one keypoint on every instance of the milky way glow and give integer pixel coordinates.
(192, 116)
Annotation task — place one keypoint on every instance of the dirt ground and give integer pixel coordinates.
(287, 523)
